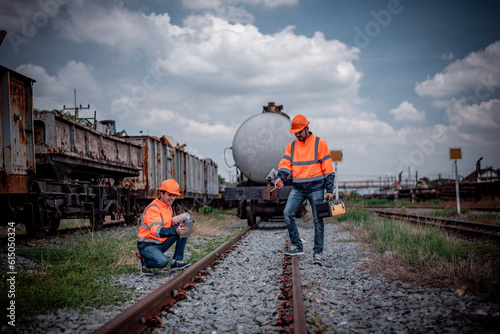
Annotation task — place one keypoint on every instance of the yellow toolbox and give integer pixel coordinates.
(330, 208)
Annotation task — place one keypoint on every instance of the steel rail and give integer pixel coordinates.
(470, 228)
(141, 315)
(370, 207)
(299, 316)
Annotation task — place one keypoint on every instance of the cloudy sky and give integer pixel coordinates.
(394, 84)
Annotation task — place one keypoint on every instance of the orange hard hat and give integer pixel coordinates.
(171, 186)
(298, 123)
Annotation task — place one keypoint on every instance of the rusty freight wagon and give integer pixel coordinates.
(164, 159)
(53, 167)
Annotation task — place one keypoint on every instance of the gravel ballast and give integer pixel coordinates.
(241, 295)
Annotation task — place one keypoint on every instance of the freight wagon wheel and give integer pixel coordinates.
(97, 220)
(130, 220)
(251, 216)
(34, 223)
(54, 225)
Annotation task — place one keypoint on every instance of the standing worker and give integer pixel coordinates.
(158, 232)
(308, 159)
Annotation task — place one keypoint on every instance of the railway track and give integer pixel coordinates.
(248, 282)
(466, 228)
(145, 315)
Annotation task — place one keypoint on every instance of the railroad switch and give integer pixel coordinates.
(153, 321)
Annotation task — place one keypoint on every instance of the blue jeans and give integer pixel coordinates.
(154, 256)
(295, 200)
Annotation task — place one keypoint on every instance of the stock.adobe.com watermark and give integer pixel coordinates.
(130, 103)
(381, 19)
(11, 274)
(31, 26)
(455, 117)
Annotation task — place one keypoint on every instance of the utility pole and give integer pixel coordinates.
(478, 170)
(76, 108)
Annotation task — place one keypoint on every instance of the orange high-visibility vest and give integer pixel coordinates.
(156, 215)
(308, 161)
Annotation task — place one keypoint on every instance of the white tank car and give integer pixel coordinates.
(260, 143)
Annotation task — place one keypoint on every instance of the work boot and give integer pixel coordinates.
(179, 265)
(317, 259)
(294, 251)
(145, 270)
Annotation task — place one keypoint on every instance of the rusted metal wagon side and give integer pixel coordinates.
(17, 157)
(80, 171)
(53, 167)
(17, 154)
(197, 178)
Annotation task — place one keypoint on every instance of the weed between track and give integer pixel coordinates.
(426, 255)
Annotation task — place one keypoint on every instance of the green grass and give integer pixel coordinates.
(480, 217)
(446, 212)
(435, 202)
(202, 247)
(379, 202)
(415, 243)
(76, 272)
(71, 274)
(424, 247)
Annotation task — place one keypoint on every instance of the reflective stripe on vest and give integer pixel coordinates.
(309, 170)
(145, 229)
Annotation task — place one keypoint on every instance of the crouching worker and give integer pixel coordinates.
(158, 232)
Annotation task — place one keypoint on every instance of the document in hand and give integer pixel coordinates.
(189, 224)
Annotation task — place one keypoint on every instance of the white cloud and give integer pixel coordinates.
(116, 27)
(481, 117)
(478, 70)
(190, 128)
(407, 112)
(210, 53)
(236, 57)
(448, 55)
(52, 91)
(208, 4)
